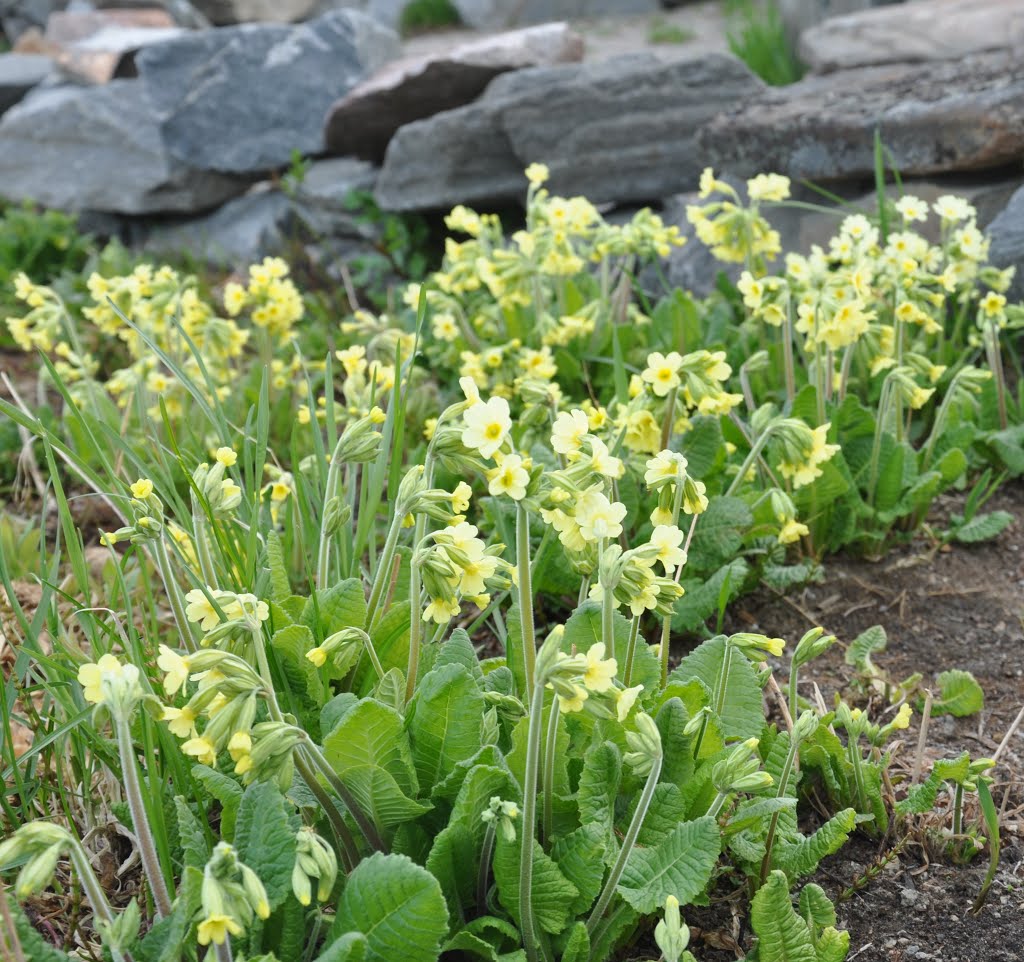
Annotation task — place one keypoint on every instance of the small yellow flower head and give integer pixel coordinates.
(600, 671)
(486, 425)
(509, 477)
(142, 489)
(202, 749)
(792, 530)
(226, 456)
(537, 174)
(573, 698)
(317, 656)
(625, 698)
(667, 538)
(175, 668)
(216, 928)
(770, 187)
(903, 716)
(662, 372)
(108, 539)
(92, 676)
(180, 721)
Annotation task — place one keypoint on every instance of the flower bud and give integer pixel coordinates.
(814, 643)
(671, 934)
(645, 743)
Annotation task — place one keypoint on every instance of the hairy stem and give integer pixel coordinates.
(550, 746)
(529, 639)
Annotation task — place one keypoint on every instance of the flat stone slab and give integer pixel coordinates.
(1007, 247)
(502, 14)
(243, 99)
(98, 148)
(618, 130)
(934, 118)
(914, 32)
(19, 73)
(363, 122)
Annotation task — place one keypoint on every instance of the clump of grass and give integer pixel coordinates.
(757, 35)
(661, 31)
(422, 15)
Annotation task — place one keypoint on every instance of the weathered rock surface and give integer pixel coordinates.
(97, 45)
(502, 14)
(19, 73)
(242, 99)
(1007, 247)
(363, 122)
(226, 12)
(913, 33)
(81, 148)
(799, 15)
(268, 220)
(619, 130)
(934, 118)
(18, 16)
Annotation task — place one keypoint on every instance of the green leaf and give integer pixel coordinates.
(280, 586)
(369, 749)
(194, 846)
(599, 787)
(700, 600)
(291, 644)
(341, 606)
(961, 695)
(816, 907)
(350, 947)
(677, 746)
(580, 858)
(869, 642)
(444, 722)
(983, 527)
(742, 714)
(802, 857)
(782, 936)
(451, 861)
(718, 536)
(668, 808)
(488, 937)
(702, 446)
(577, 946)
(163, 942)
(459, 650)
(226, 790)
(680, 865)
(391, 641)
(265, 839)
(553, 893)
(397, 905)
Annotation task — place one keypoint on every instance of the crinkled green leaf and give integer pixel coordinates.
(700, 600)
(163, 942)
(718, 536)
(599, 786)
(668, 808)
(583, 629)
(960, 694)
(350, 947)
(373, 735)
(553, 893)
(265, 839)
(195, 848)
(869, 642)
(577, 946)
(680, 865)
(816, 906)
(397, 905)
(798, 858)
(291, 644)
(459, 650)
(341, 606)
(226, 790)
(983, 527)
(742, 713)
(580, 858)
(444, 721)
(782, 936)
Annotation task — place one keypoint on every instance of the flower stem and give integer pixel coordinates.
(415, 630)
(529, 638)
(627, 845)
(530, 821)
(634, 630)
(380, 579)
(93, 890)
(174, 594)
(787, 768)
(203, 545)
(550, 747)
(140, 822)
(347, 844)
(484, 875)
(323, 554)
(787, 352)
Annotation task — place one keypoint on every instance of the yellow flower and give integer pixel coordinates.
(175, 669)
(598, 517)
(90, 677)
(486, 426)
(662, 371)
(600, 671)
(180, 721)
(771, 187)
(574, 703)
(509, 477)
(441, 610)
(667, 538)
(202, 749)
(625, 698)
(142, 489)
(234, 299)
(216, 928)
(317, 655)
(226, 456)
(902, 719)
(537, 174)
(792, 530)
(460, 497)
(200, 609)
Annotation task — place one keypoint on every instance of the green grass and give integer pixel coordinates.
(422, 15)
(757, 35)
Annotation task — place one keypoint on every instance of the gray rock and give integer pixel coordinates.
(363, 122)
(227, 12)
(934, 118)
(242, 99)
(1007, 242)
(19, 73)
(182, 12)
(617, 130)
(269, 221)
(82, 148)
(799, 15)
(17, 16)
(502, 14)
(914, 33)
